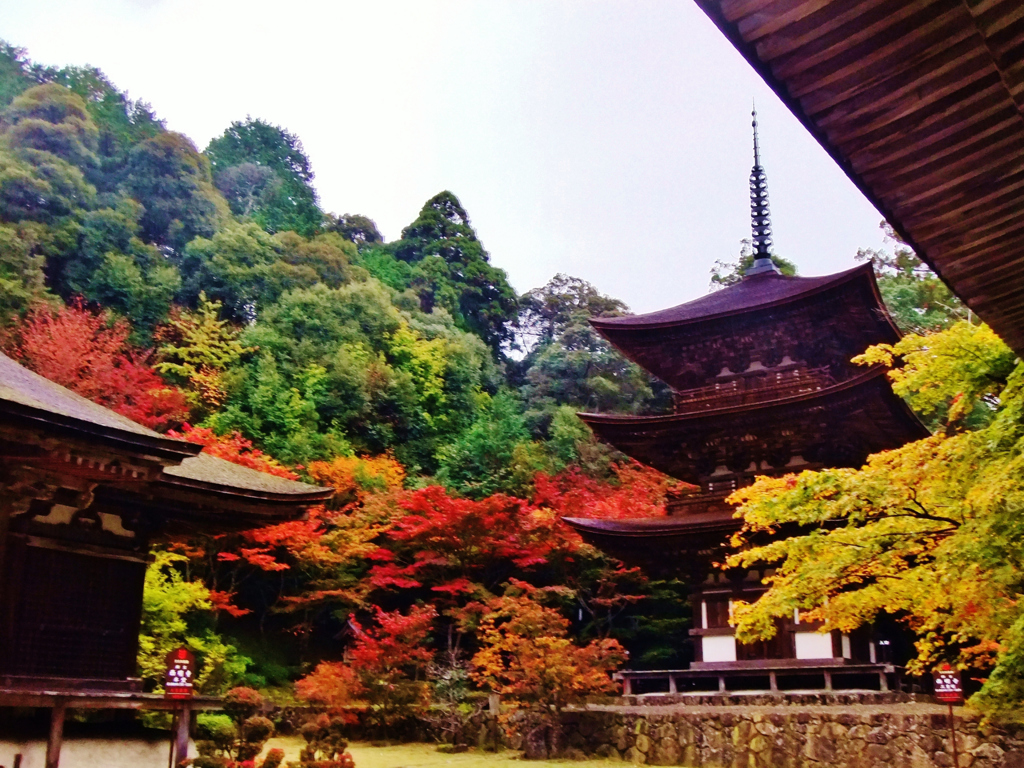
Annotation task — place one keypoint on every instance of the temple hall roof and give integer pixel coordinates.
(32, 401)
(213, 474)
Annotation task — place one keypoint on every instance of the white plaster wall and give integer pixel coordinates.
(813, 645)
(90, 753)
(718, 648)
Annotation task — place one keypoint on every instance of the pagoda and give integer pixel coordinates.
(763, 385)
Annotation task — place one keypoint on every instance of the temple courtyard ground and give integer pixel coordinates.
(427, 756)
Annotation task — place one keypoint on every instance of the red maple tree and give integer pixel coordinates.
(234, 448)
(386, 667)
(636, 492)
(458, 547)
(89, 353)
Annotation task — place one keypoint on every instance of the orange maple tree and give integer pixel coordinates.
(528, 656)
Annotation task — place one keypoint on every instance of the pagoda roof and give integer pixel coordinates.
(921, 104)
(753, 294)
(660, 527)
(860, 416)
(647, 542)
(822, 321)
(29, 401)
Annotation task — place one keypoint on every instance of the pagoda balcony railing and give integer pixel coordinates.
(772, 385)
(702, 501)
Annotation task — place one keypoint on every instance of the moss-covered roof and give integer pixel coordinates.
(212, 473)
(31, 398)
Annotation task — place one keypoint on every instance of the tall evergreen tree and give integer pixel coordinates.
(264, 173)
(454, 270)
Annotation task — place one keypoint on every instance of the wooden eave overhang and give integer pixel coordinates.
(921, 103)
(656, 528)
(155, 446)
(648, 542)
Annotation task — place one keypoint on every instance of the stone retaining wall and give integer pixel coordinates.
(789, 737)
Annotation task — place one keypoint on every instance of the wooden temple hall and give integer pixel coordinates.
(763, 385)
(84, 493)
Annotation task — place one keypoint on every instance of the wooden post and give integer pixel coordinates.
(828, 680)
(773, 683)
(721, 683)
(884, 681)
(672, 688)
(180, 746)
(56, 734)
(5, 524)
(627, 685)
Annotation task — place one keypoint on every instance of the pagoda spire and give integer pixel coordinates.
(760, 216)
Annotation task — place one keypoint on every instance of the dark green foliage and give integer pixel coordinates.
(917, 299)
(51, 120)
(348, 362)
(172, 181)
(235, 266)
(264, 173)
(14, 72)
(495, 455)
(546, 313)
(569, 364)
(22, 281)
(656, 630)
(121, 122)
(44, 190)
(47, 140)
(360, 229)
(394, 273)
(725, 273)
(453, 271)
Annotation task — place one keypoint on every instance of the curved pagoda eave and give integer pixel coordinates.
(838, 425)
(658, 544)
(819, 320)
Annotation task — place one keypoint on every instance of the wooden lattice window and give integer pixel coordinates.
(71, 614)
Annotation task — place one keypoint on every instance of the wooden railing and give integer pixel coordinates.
(753, 389)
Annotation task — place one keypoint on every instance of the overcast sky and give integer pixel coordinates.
(608, 140)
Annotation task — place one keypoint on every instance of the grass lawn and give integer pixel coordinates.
(427, 756)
